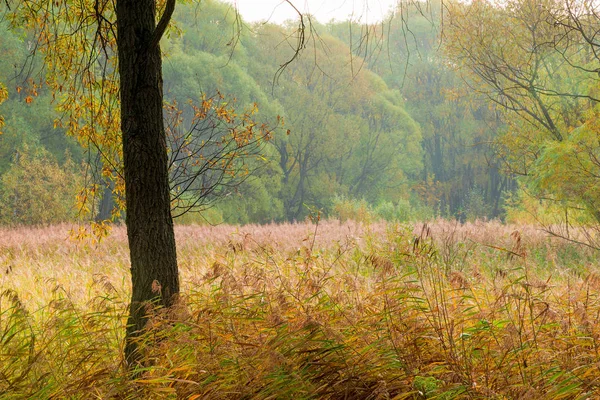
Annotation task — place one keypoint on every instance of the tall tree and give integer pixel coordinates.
(456, 126)
(349, 134)
(154, 273)
(544, 72)
(93, 51)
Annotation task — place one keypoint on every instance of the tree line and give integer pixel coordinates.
(387, 132)
(430, 113)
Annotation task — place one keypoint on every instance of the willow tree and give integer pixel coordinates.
(103, 61)
(104, 64)
(154, 272)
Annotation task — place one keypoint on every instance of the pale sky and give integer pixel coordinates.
(277, 11)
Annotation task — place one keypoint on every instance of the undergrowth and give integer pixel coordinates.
(338, 311)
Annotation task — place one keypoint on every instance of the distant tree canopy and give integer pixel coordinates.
(387, 122)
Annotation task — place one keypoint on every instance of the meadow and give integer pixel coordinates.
(308, 311)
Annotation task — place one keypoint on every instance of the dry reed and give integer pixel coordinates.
(334, 311)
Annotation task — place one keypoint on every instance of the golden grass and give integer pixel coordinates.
(338, 311)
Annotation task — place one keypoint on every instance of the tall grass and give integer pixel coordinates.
(335, 311)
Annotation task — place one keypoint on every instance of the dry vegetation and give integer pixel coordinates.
(338, 311)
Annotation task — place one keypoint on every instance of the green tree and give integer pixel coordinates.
(456, 125)
(348, 134)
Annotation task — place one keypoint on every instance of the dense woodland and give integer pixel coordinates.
(369, 122)
(427, 114)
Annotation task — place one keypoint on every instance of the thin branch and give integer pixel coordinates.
(161, 27)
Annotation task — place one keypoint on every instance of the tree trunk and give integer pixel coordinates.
(107, 203)
(154, 273)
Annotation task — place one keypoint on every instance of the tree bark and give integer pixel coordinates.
(154, 274)
(107, 203)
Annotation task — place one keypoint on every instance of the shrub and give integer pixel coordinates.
(37, 190)
(351, 209)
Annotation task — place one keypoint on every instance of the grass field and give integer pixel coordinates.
(334, 311)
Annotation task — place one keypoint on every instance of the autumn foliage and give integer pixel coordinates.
(37, 190)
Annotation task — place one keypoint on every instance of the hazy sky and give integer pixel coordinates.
(324, 10)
